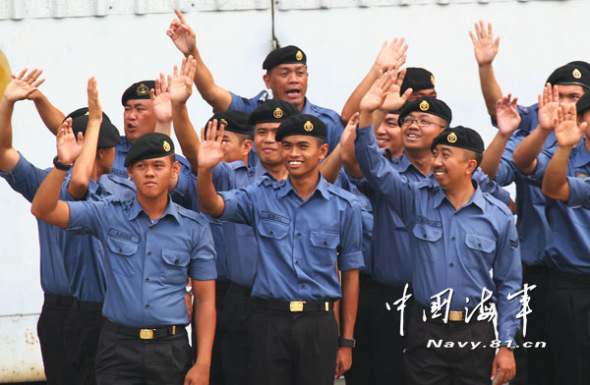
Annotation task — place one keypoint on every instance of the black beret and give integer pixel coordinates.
(139, 90)
(417, 79)
(272, 111)
(581, 63)
(233, 120)
(285, 55)
(570, 74)
(149, 146)
(108, 136)
(427, 105)
(462, 137)
(302, 124)
(583, 104)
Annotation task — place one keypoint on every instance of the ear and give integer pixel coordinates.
(324, 150)
(175, 169)
(247, 146)
(99, 153)
(471, 166)
(266, 78)
(130, 172)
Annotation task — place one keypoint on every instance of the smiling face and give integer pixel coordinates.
(302, 155)
(139, 118)
(265, 144)
(152, 176)
(389, 134)
(452, 165)
(288, 82)
(419, 135)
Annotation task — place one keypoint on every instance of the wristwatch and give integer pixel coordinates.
(345, 342)
(60, 166)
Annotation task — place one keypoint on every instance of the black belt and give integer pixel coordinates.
(58, 300)
(238, 290)
(87, 305)
(574, 278)
(296, 306)
(143, 334)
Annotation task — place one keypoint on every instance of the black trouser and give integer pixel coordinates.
(538, 367)
(292, 348)
(427, 364)
(50, 329)
(234, 320)
(83, 328)
(124, 359)
(378, 356)
(568, 323)
(217, 377)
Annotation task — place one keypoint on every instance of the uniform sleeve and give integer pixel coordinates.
(185, 192)
(536, 178)
(25, 178)
(506, 173)
(351, 239)
(381, 177)
(491, 187)
(202, 267)
(579, 192)
(507, 272)
(87, 217)
(239, 205)
(247, 105)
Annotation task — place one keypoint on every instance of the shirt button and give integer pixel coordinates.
(425, 236)
(452, 238)
(176, 261)
(147, 279)
(120, 249)
(479, 245)
(451, 264)
(272, 232)
(297, 262)
(147, 306)
(298, 234)
(149, 253)
(301, 206)
(303, 286)
(325, 243)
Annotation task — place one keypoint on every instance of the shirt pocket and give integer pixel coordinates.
(482, 250)
(428, 238)
(325, 240)
(323, 251)
(175, 269)
(273, 230)
(123, 259)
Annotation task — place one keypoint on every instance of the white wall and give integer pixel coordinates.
(341, 43)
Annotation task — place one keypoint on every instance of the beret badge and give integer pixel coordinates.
(277, 113)
(424, 106)
(299, 56)
(166, 146)
(452, 138)
(432, 79)
(223, 122)
(308, 126)
(576, 73)
(142, 90)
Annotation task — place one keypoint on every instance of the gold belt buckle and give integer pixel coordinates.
(455, 315)
(146, 334)
(296, 306)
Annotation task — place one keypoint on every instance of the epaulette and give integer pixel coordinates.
(498, 203)
(190, 214)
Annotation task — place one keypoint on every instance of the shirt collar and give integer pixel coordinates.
(286, 187)
(136, 209)
(476, 199)
(260, 170)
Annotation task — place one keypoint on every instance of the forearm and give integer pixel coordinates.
(209, 201)
(352, 105)
(46, 205)
(555, 184)
(8, 155)
(330, 167)
(205, 319)
(50, 115)
(525, 155)
(490, 88)
(217, 97)
(349, 161)
(349, 302)
(493, 155)
(185, 133)
(84, 165)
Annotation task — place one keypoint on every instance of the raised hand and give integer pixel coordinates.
(548, 106)
(393, 100)
(94, 107)
(507, 116)
(392, 54)
(376, 95)
(567, 132)
(211, 150)
(68, 149)
(182, 35)
(161, 100)
(23, 85)
(484, 45)
(180, 84)
(349, 132)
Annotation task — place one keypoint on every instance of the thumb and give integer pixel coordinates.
(494, 370)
